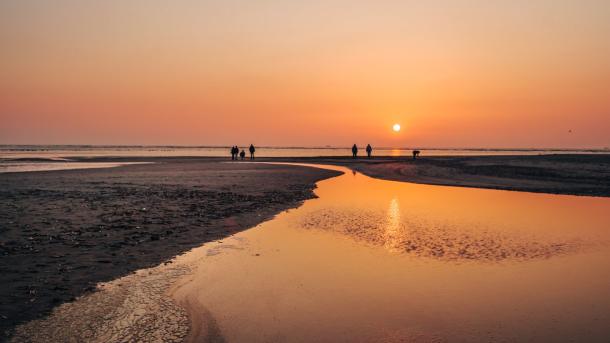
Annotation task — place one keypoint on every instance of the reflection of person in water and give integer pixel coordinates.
(242, 154)
(252, 150)
(369, 150)
(354, 151)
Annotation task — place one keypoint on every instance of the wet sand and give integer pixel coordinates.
(372, 261)
(62, 232)
(65, 231)
(575, 174)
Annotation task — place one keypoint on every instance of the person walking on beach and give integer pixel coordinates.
(252, 150)
(369, 150)
(242, 154)
(354, 151)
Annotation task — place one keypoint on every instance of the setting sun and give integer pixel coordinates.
(215, 143)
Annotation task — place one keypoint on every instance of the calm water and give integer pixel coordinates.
(381, 261)
(63, 152)
(12, 167)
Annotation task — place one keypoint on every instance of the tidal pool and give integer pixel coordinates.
(381, 261)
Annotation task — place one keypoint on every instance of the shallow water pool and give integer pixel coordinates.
(381, 261)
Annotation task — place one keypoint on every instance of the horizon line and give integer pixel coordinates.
(297, 147)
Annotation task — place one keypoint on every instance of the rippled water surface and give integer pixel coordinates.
(380, 261)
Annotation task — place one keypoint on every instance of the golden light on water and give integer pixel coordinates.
(396, 127)
(393, 234)
(467, 248)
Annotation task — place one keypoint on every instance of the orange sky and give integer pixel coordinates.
(452, 73)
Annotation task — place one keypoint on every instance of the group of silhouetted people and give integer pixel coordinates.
(369, 151)
(236, 154)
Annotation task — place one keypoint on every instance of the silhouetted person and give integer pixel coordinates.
(415, 154)
(242, 154)
(354, 151)
(233, 153)
(252, 150)
(369, 150)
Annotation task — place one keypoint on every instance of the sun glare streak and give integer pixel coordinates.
(393, 236)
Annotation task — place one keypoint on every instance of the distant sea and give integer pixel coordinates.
(65, 152)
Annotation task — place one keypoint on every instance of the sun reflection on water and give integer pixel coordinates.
(467, 225)
(393, 230)
(374, 260)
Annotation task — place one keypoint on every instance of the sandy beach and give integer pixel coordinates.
(65, 231)
(72, 239)
(370, 260)
(304, 171)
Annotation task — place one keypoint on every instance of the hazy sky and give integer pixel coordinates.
(317, 72)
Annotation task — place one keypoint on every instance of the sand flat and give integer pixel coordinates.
(64, 231)
(378, 261)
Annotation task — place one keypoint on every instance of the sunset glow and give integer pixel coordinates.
(304, 171)
(470, 74)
